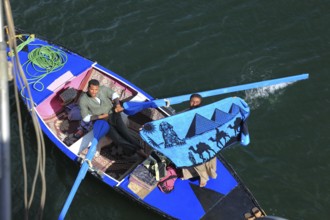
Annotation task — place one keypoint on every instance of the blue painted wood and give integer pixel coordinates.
(132, 108)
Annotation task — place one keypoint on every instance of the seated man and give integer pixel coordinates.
(100, 102)
(205, 170)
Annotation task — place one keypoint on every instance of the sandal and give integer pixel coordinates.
(249, 216)
(256, 212)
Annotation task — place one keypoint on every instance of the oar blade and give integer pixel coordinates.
(255, 85)
(81, 175)
(132, 108)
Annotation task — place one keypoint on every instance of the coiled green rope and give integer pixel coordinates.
(44, 60)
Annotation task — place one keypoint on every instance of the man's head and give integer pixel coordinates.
(93, 87)
(195, 101)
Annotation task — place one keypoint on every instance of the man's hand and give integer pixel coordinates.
(103, 116)
(118, 108)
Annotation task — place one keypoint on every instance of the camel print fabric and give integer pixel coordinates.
(196, 136)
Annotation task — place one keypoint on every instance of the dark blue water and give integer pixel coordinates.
(171, 48)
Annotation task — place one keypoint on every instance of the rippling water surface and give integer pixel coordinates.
(170, 48)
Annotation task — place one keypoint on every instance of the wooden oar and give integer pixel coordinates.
(131, 108)
(101, 127)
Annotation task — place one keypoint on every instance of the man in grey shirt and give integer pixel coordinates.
(100, 102)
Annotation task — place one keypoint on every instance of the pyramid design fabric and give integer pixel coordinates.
(196, 136)
(200, 125)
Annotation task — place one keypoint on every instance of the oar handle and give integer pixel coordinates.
(100, 128)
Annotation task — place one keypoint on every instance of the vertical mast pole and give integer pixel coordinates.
(5, 189)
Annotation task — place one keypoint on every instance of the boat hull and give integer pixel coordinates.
(225, 197)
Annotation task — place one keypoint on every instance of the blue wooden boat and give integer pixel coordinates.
(55, 89)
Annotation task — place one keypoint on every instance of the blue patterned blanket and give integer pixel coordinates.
(196, 136)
